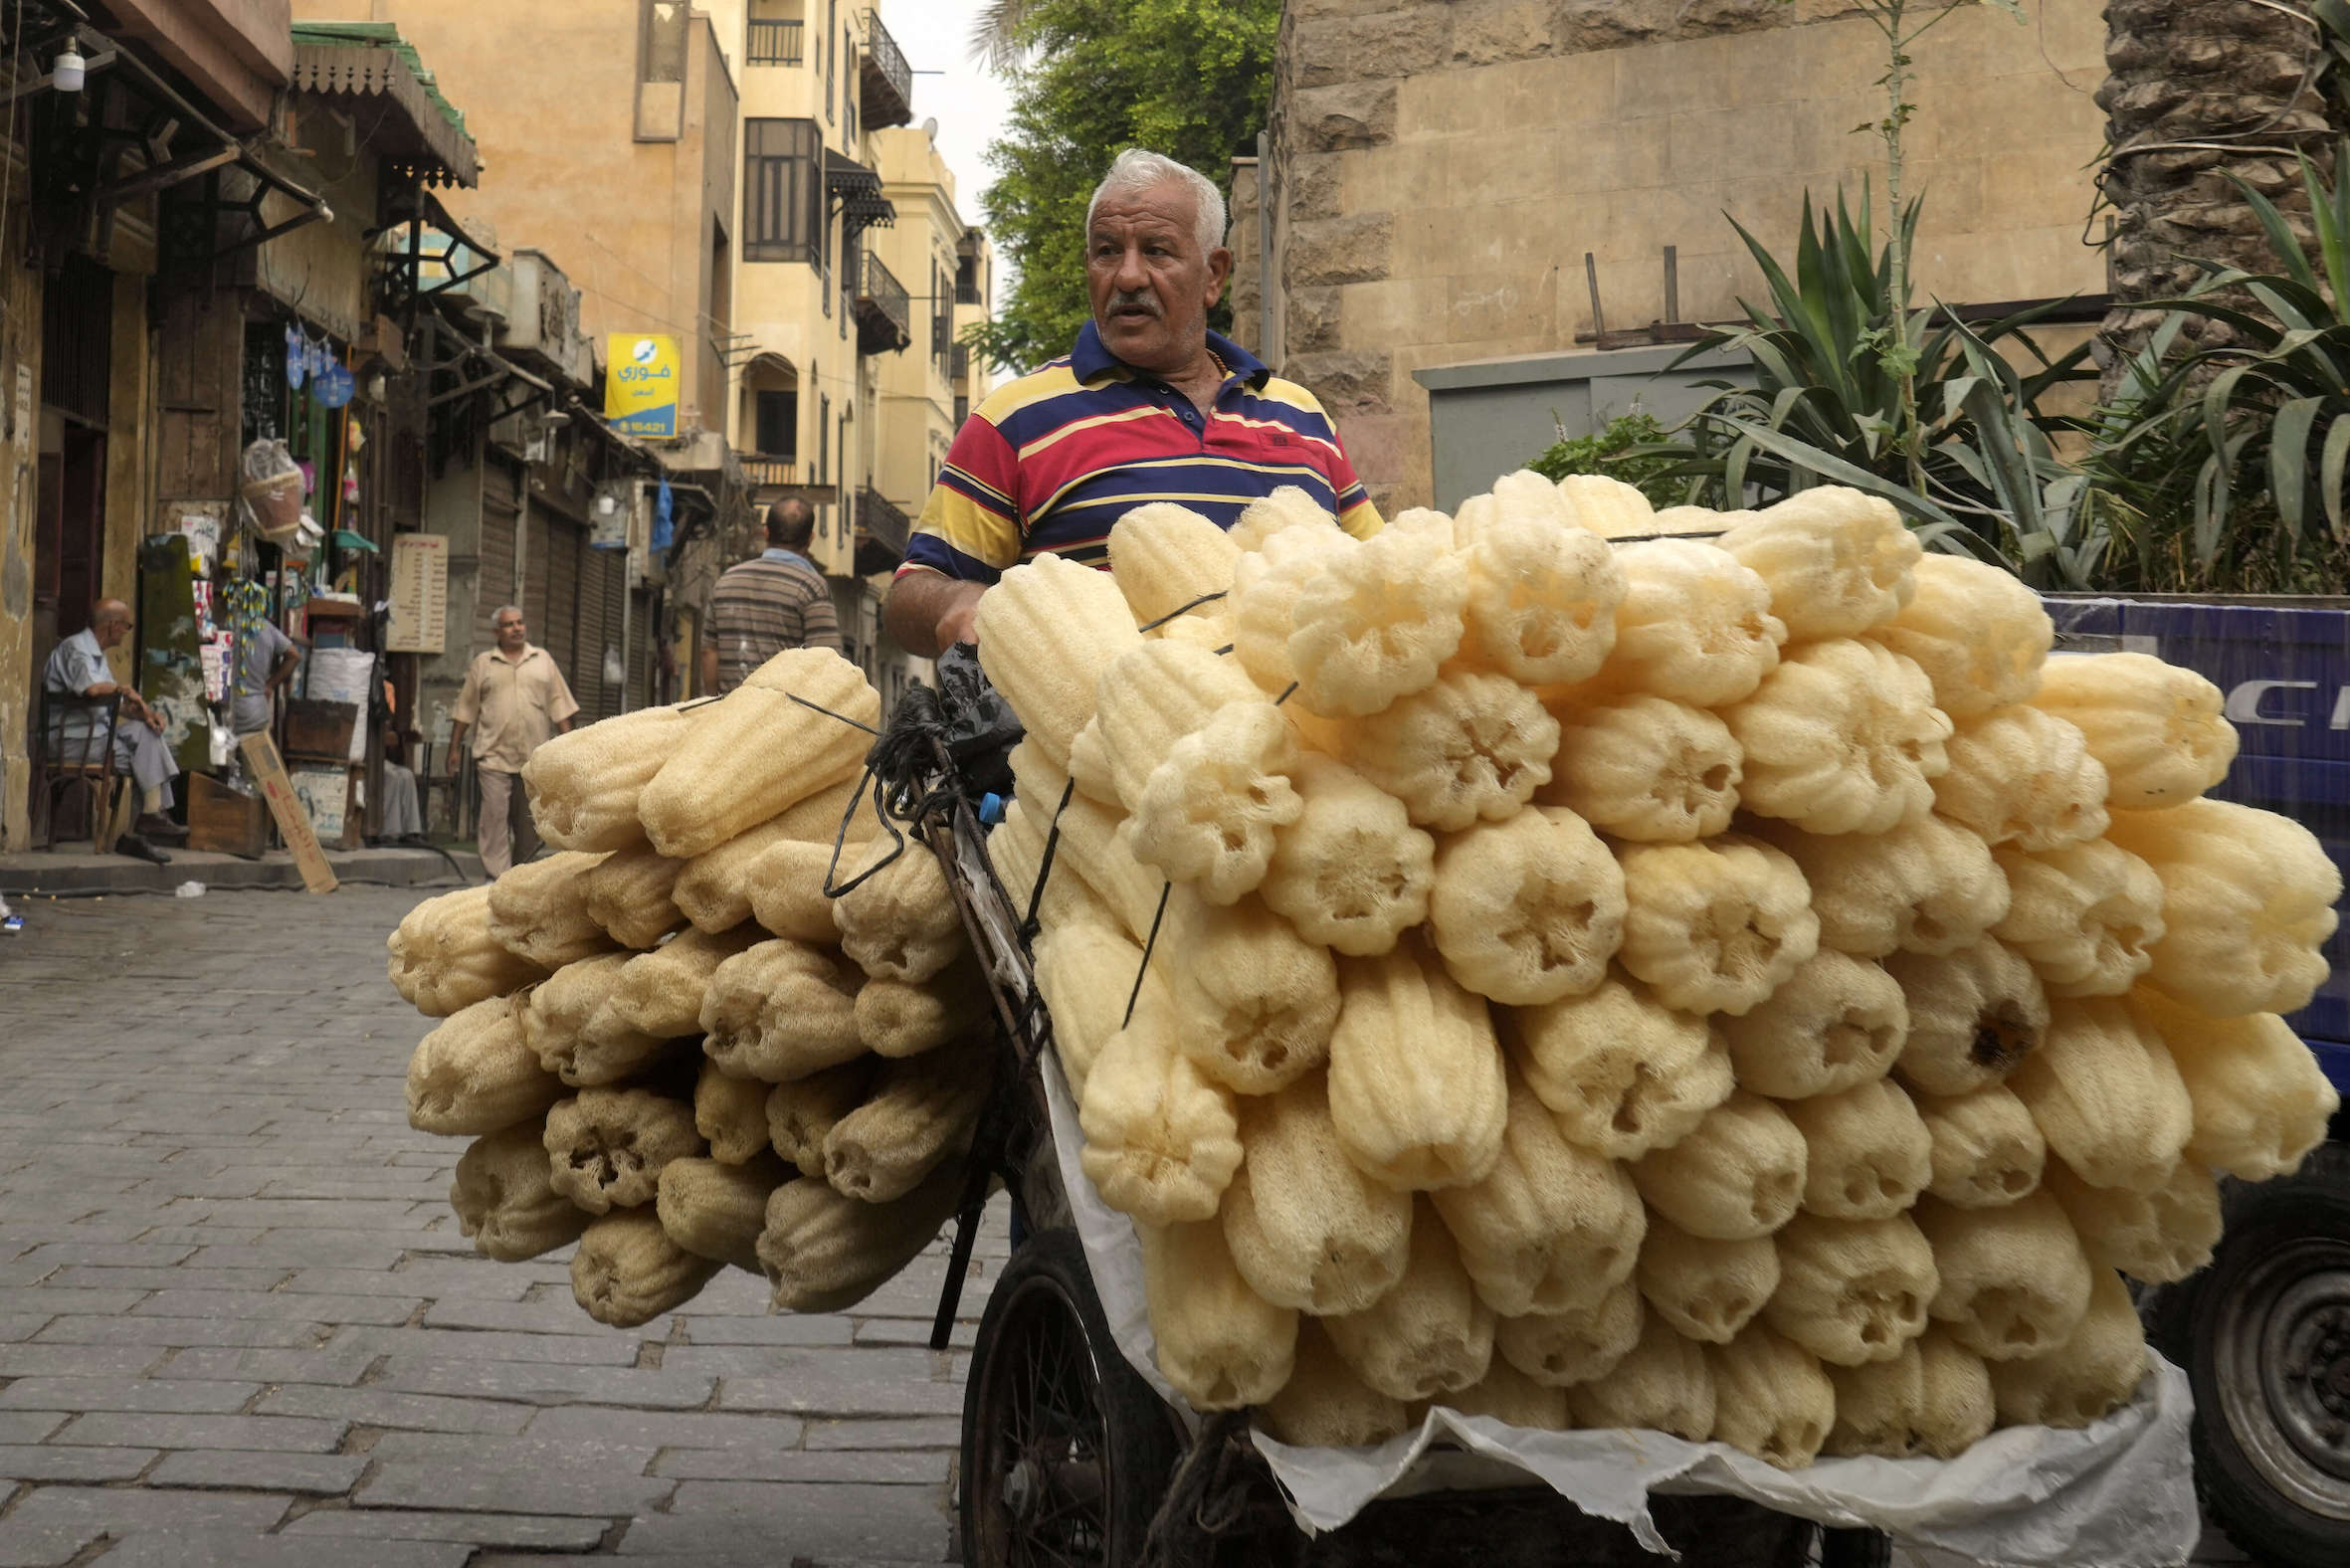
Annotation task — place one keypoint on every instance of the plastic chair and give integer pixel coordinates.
(62, 761)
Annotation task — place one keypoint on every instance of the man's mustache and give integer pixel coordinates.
(1140, 299)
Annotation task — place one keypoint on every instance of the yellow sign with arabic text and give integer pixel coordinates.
(642, 375)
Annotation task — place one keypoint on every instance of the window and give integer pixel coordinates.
(962, 410)
(823, 435)
(832, 54)
(967, 280)
(777, 422)
(848, 82)
(943, 321)
(783, 200)
(663, 44)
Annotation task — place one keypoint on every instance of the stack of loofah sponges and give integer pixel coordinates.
(1733, 984)
(670, 1045)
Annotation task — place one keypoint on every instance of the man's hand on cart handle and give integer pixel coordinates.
(929, 612)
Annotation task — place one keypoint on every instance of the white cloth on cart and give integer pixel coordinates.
(2119, 1494)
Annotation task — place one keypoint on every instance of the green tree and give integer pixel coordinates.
(1090, 77)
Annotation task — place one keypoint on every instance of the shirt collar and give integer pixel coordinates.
(776, 552)
(1091, 358)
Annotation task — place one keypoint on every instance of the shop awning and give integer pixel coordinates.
(856, 195)
(420, 127)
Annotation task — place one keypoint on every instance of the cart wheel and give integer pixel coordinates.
(2264, 1335)
(1851, 1548)
(1066, 1450)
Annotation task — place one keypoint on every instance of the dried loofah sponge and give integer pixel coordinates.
(474, 1074)
(1552, 1227)
(505, 1199)
(1219, 1344)
(1842, 737)
(1852, 1291)
(584, 785)
(1085, 971)
(1351, 871)
(786, 887)
(1542, 593)
(2106, 1096)
(1263, 604)
(779, 1011)
(906, 1018)
(1377, 621)
(606, 1146)
(1974, 1014)
(629, 897)
(660, 993)
(444, 959)
(1926, 886)
(714, 889)
(762, 749)
(1161, 1141)
(538, 914)
(1662, 1384)
(1047, 632)
(1164, 556)
(2020, 777)
(1987, 1150)
(1623, 1072)
(2158, 729)
(1428, 1335)
(1253, 1002)
(2013, 1279)
(2261, 1101)
(801, 1114)
(1472, 746)
(1153, 695)
(731, 1114)
(1737, 1175)
(1416, 1087)
(1325, 1238)
(1977, 631)
(1208, 813)
(1286, 507)
(1836, 1024)
(1694, 625)
(1645, 768)
(1509, 1396)
(1558, 1349)
(1772, 1399)
(2160, 1236)
(628, 1272)
(1714, 927)
(1707, 1289)
(1606, 506)
(1838, 562)
(1870, 1154)
(1324, 1405)
(577, 1036)
(1528, 910)
(1934, 1398)
(898, 920)
(2247, 903)
(2085, 1379)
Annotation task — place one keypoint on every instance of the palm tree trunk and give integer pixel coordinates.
(2197, 91)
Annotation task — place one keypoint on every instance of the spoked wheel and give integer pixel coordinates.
(1066, 1450)
(1851, 1548)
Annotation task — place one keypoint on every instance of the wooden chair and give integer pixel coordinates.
(61, 764)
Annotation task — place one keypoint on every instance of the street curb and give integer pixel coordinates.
(38, 874)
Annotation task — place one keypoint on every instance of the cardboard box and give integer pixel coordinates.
(220, 819)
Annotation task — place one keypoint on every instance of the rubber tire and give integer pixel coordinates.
(1853, 1549)
(1143, 1439)
(2182, 1321)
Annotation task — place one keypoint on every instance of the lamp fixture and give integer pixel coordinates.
(69, 71)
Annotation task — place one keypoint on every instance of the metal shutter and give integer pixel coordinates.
(593, 636)
(497, 581)
(534, 572)
(565, 543)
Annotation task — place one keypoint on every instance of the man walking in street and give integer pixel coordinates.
(763, 606)
(78, 667)
(514, 701)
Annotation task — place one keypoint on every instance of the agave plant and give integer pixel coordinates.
(2260, 426)
(1969, 457)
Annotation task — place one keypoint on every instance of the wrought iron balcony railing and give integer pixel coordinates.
(886, 83)
(884, 323)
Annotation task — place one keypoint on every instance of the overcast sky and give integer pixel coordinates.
(968, 103)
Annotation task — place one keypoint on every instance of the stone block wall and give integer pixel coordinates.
(1437, 171)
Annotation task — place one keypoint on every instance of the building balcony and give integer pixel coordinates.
(959, 364)
(884, 315)
(885, 82)
(766, 472)
(882, 532)
(776, 43)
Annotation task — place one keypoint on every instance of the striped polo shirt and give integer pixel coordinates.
(761, 607)
(1047, 463)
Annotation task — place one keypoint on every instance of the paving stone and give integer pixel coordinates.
(277, 1434)
(728, 1516)
(183, 1278)
(278, 1305)
(78, 1360)
(238, 1549)
(526, 1317)
(30, 1425)
(330, 1474)
(584, 1489)
(339, 1368)
(549, 1383)
(380, 1407)
(25, 1546)
(56, 1299)
(117, 1511)
(783, 1328)
(161, 1395)
(664, 1429)
(608, 1349)
(169, 1331)
(932, 1433)
(432, 1277)
(877, 1382)
(542, 1533)
(50, 1461)
(902, 1467)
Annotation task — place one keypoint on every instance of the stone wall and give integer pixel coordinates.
(1437, 172)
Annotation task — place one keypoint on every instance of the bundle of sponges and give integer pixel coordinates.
(1735, 984)
(666, 1042)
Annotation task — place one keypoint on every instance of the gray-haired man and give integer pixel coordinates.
(78, 667)
(514, 700)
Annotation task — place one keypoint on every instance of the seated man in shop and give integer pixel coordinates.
(1148, 406)
(78, 667)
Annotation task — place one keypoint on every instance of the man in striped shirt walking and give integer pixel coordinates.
(1148, 406)
(775, 601)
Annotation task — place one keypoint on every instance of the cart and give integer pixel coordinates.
(1069, 1455)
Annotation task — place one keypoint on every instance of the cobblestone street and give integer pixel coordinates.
(238, 1325)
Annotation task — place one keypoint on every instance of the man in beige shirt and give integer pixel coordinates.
(514, 700)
